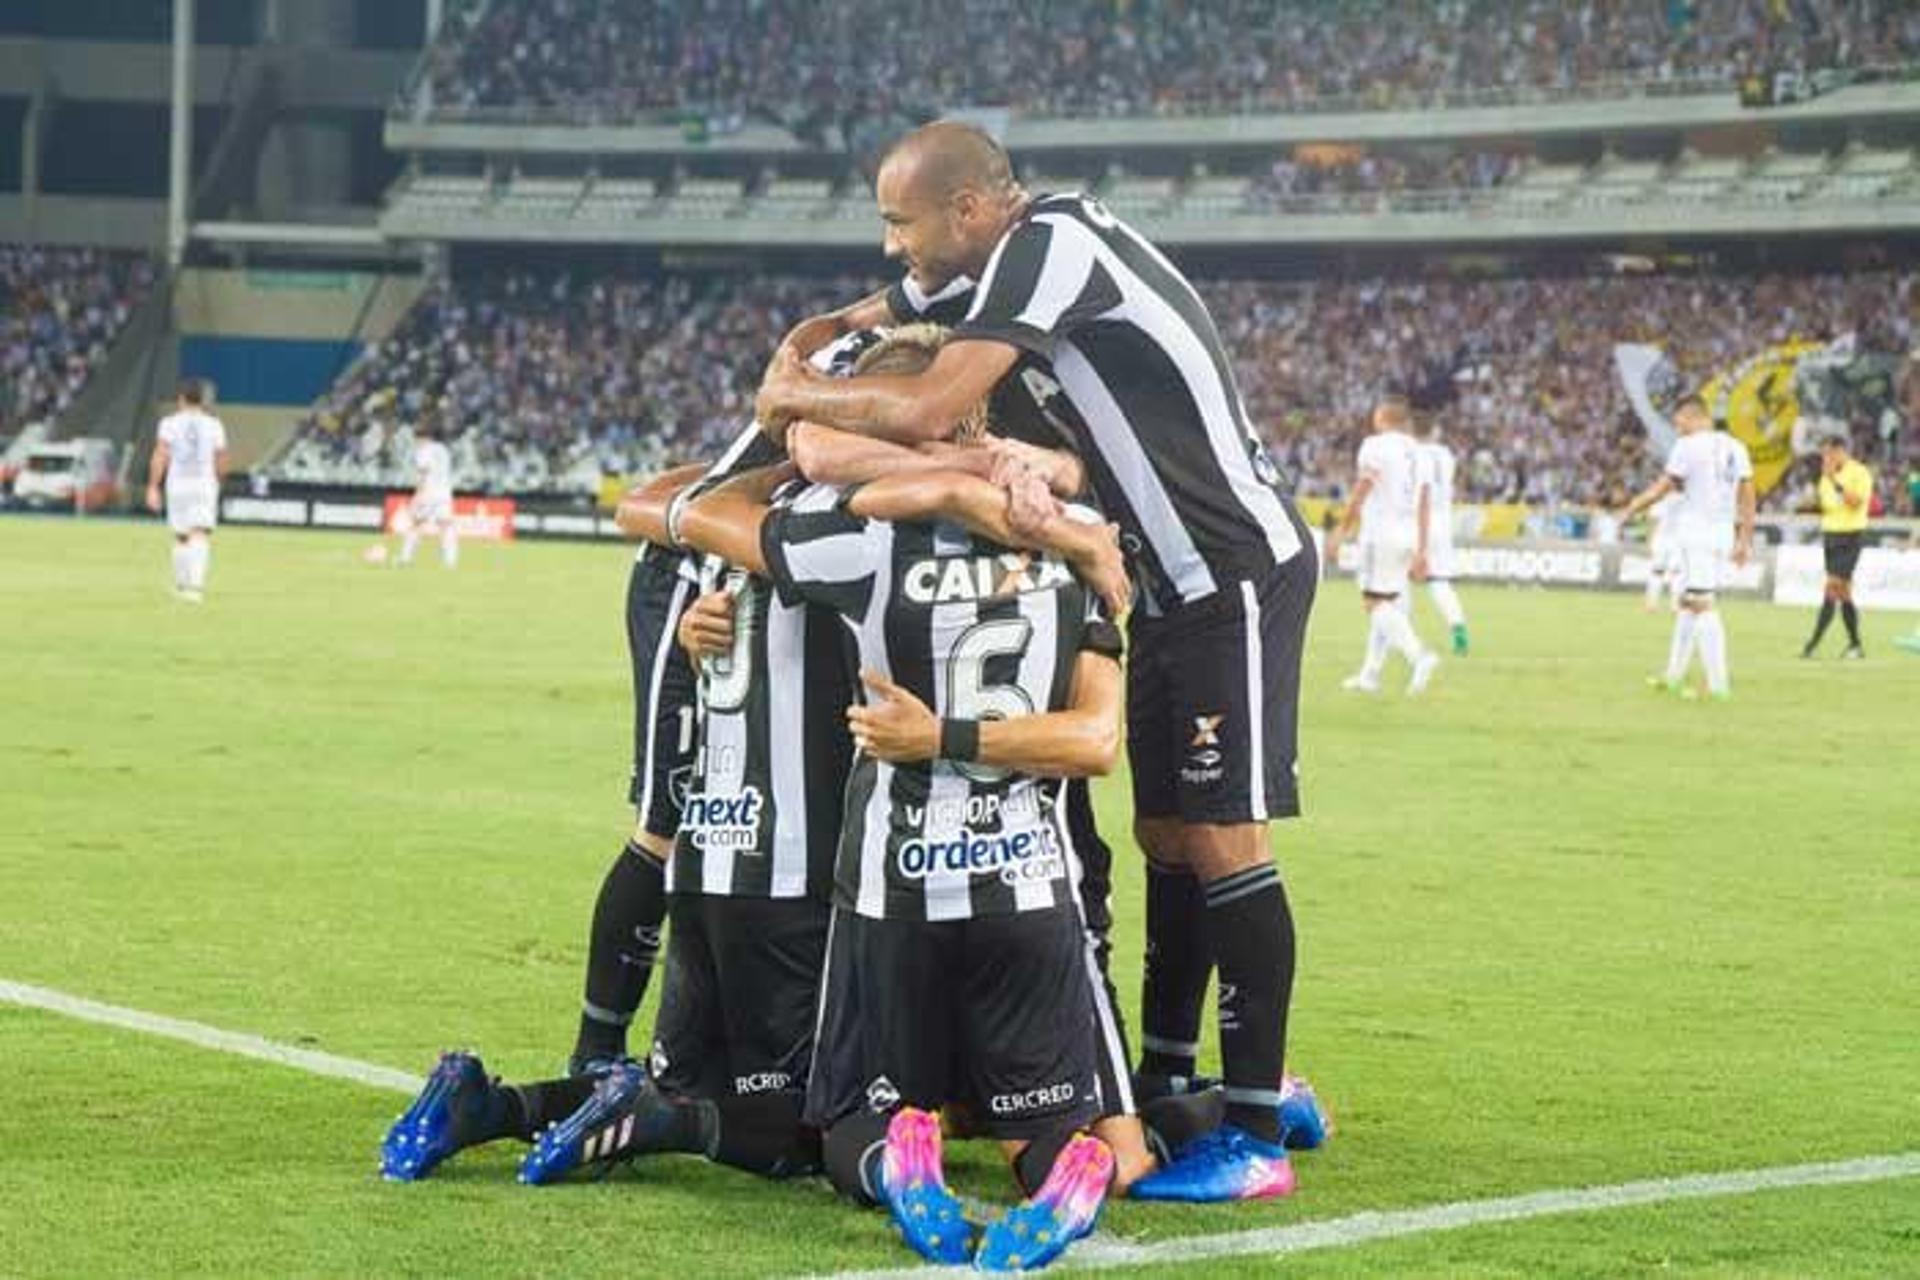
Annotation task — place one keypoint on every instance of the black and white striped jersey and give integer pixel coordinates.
(1142, 380)
(976, 632)
(762, 815)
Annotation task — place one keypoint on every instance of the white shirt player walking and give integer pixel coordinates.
(1711, 527)
(1433, 557)
(1385, 508)
(190, 458)
(431, 507)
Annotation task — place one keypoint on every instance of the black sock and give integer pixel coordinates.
(532, 1107)
(1851, 616)
(1035, 1161)
(853, 1147)
(1252, 931)
(621, 950)
(1174, 989)
(763, 1134)
(1820, 626)
(1177, 1119)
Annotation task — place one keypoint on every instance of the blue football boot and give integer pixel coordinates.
(443, 1119)
(1227, 1164)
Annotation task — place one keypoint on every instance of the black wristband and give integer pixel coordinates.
(960, 740)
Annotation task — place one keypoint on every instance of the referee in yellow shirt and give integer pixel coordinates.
(1846, 493)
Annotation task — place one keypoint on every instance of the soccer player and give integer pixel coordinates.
(190, 456)
(1433, 558)
(431, 507)
(1714, 476)
(1386, 507)
(1846, 495)
(1121, 350)
(1663, 553)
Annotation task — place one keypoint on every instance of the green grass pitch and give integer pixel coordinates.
(1555, 931)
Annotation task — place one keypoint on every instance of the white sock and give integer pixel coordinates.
(450, 546)
(1400, 635)
(1654, 583)
(408, 545)
(1713, 650)
(1680, 653)
(181, 569)
(1376, 643)
(1447, 600)
(199, 555)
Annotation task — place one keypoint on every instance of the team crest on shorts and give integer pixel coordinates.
(881, 1095)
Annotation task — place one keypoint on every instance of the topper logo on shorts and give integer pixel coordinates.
(761, 1082)
(1013, 1104)
(942, 581)
(1204, 764)
(723, 822)
(1029, 855)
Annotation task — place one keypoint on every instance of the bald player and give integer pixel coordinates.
(1120, 353)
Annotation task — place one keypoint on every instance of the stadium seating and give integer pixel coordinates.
(60, 310)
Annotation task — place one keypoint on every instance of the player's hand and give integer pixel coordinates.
(706, 626)
(786, 374)
(1031, 505)
(1014, 458)
(893, 725)
(1742, 552)
(1103, 567)
(1418, 569)
(153, 498)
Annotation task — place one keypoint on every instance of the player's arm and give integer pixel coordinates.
(1422, 534)
(1854, 496)
(1651, 494)
(905, 408)
(1080, 742)
(725, 521)
(828, 455)
(982, 507)
(1743, 530)
(1350, 515)
(816, 332)
(220, 462)
(156, 472)
(642, 512)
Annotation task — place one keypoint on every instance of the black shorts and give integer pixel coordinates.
(1213, 701)
(1095, 861)
(1842, 552)
(995, 1011)
(665, 690)
(741, 991)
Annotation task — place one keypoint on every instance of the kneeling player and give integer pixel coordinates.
(956, 966)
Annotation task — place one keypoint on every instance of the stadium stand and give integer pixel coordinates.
(60, 310)
(792, 61)
(548, 381)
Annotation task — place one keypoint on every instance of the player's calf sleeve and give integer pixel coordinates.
(621, 949)
(201, 559)
(852, 1150)
(450, 546)
(1251, 926)
(1377, 643)
(1680, 651)
(1712, 638)
(1448, 602)
(1177, 1119)
(1399, 633)
(530, 1108)
(1173, 990)
(182, 566)
(763, 1134)
(1851, 616)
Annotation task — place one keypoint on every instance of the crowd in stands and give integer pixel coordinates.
(550, 381)
(60, 310)
(865, 59)
(1283, 184)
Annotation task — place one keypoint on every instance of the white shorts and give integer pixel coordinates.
(431, 509)
(1440, 558)
(192, 509)
(1384, 566)
(1665, 555)
(1704, 562)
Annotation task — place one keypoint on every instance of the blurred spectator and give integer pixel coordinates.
(550, 380)
(60, 310)
(800, 62)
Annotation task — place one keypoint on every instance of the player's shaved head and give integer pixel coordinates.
(1393, 413)
(944, 158)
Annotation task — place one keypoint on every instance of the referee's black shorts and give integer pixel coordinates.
(664, 691)
(1842, 551)
(993, 1011)
(1213, 700)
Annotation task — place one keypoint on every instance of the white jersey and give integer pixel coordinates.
(193, 438)
(433, 463)
(1436, 473)
(1392, 509)
(1709, 466)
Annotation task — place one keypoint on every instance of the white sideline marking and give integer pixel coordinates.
(199, 1033)
(1102, 1252)
(1360, 1228)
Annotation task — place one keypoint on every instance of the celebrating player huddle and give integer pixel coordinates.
(876, 657)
